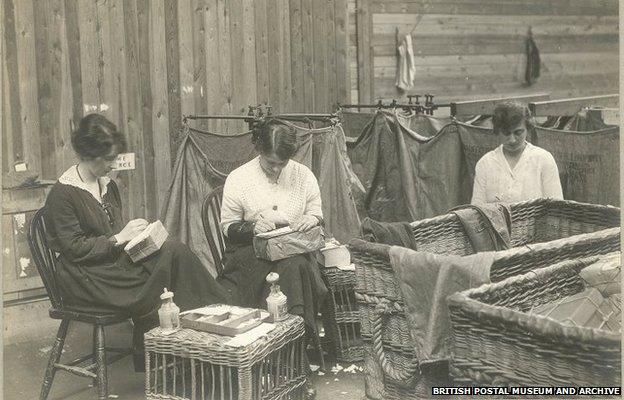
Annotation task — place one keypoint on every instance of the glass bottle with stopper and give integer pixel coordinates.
(277, 304)
(168, 313)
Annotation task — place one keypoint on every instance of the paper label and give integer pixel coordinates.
(125, 161)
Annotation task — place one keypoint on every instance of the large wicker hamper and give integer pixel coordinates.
(533, 350)
(388, 346)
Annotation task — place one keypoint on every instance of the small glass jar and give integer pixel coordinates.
(168, 313)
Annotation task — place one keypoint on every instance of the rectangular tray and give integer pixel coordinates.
(226, 323)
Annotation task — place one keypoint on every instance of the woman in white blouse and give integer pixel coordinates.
(516, 170)
(265, 193)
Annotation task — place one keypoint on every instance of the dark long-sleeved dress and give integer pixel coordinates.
(96, 275)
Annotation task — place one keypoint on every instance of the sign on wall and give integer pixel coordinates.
(125, 161)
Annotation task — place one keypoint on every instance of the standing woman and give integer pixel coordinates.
(516, 170)
(270, 191)
(84, 220)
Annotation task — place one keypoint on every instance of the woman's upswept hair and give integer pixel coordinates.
(273, 136)
(508, 114)
(95, 137)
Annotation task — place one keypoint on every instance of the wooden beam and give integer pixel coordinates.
(486, 107)
(480, 7)
(364, 59)
(572, 106)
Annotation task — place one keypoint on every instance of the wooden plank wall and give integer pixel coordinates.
(145, 63)
(470, 49)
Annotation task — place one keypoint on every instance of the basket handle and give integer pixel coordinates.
(382, 310)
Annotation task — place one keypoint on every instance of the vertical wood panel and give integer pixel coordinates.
(89, 57)
(199, 59)
(8, 252)
(65, 156)
(48, 18)
(320, 56)
(309, 78)
(185, 33)
(364, 59)
(296, 55)
(118, 38)
(11, 101)
(249, 55)
(173, 73)
(44, 78)
(160, 105)
(262, 51)
(286, 103)
(105, 60)
(275, 65)
(235, 8)
(27, 146)
(144, 43)
(213, 77)
(72, 33)
(7, 128)
(342, 66)
(225, 65)
(330, 63)
(4, 109)
(133, 112)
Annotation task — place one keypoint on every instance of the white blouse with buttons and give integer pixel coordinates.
(248, 192)
(534, 176)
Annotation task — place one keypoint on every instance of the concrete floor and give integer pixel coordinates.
(24, 365)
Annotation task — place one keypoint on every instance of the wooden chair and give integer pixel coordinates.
(211, 219)
(90, 366)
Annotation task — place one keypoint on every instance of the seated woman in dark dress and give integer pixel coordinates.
(269, 191)
(84, 220)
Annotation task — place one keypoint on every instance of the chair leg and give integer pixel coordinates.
(55, 356)
(95, 327)
(317, 339)
(100, 360)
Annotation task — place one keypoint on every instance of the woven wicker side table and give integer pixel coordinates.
(197, 365)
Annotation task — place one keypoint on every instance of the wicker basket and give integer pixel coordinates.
(533, 222)
(534, 350)
(341, 318)
(190, 364)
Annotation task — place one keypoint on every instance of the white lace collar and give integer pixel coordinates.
(71, 177)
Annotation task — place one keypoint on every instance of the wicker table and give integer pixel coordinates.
(199, 365)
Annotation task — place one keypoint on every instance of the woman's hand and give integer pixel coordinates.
(263, 225)
(132, 229)
(276, 217)
(305, 223)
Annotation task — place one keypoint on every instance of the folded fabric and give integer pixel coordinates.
(425, 280)
(393, 233)
(488, 226)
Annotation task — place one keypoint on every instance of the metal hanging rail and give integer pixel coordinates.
(428, 107)
(259, 113)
